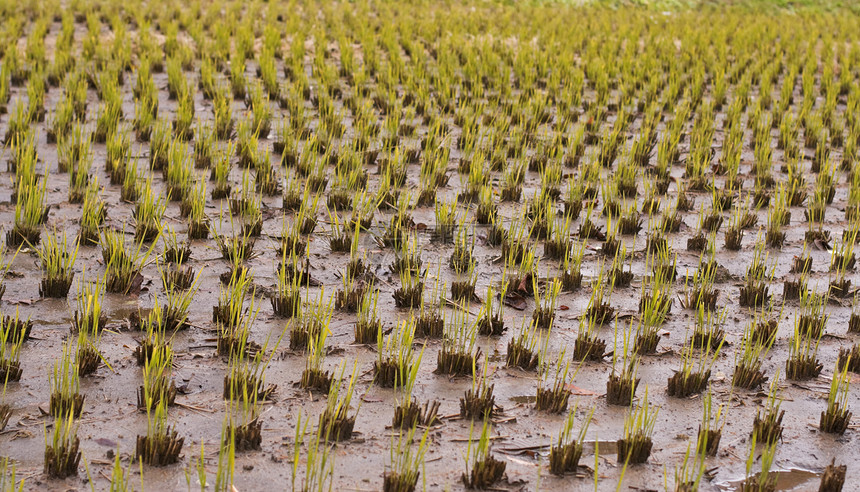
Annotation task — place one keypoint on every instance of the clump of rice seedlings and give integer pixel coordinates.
(410, 292)
(708, 332)
(767, 424)
(599, 311)
(93, 214)
(462, 259)
(123, 265)
(491, 320)
(11, 340)
(149, 214)
(527, 346)
(446, 220)
(223, 110)
(588, 346)
(690, 473)
(622, 384)
(463, 288)
(65, 386)
(836, 417)
(482, 469)
(236, 248)
(319, 462)
(458, 353)
(30, 210)
(711, 428)
(246, 372)
(544, 313)
(571, 268)
(554, 398)
(803, 360)
(699, 291)
(242, 431)
(619, 277)
(315, 317)
(395, 354)
(180, 288)
(157, 385)
(368, 326)
(314, 377)
(487, 210)
(161, 445)
(62, 452)
(754, 347)
(175, 251)
(233, 322)
(833, 477)
(57, 262)
(8, 476)
(405, 458)
(695, 370)
(564, 455)
(408, 257)
(754, 292)
(349, 297)
(222, 165)
(5, 414)
(842, 260)
(430, 323)
(813, 317)
(335, 423)
(342, 237)
(635, 446)
(764, 480)
(178, 172)
(286, 300)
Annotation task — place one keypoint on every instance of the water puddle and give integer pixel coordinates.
(791, 480)
(525, 399)
(603, 447)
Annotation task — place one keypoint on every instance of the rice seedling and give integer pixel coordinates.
(767, 425)
(62, 452)
(565, 454)
(286, 299)
(803, 360)
(405, 459)
(57, 262)
(411, 290)
(763, 480)
(157, 386)
(335, 423)
(8, 477)
(588, 346)
(622, 383)
(836, 418)
(315, 317)
(690, 473)
(123, 264)
(11, 340)
(319, 461)
(695, 370)
(554, 398)
(544, 313)
(459, 350)
(162, 444)
(755, 345)
(30, 211)
(482, 468)
(635, 446)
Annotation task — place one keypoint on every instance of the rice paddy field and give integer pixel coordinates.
(409, 246)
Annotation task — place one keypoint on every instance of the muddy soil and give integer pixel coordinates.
(111, 420)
